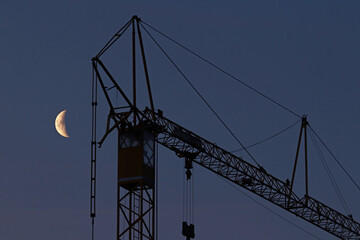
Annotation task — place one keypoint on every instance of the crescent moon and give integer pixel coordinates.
(60, 124)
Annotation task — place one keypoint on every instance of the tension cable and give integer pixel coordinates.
(267, 208)
(330, 175)
(223, 71)
(337, 161)
(200, 95)
(266, 139)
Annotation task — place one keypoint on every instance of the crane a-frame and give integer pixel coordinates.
(138, 130)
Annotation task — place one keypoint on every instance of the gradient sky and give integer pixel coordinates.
(304, 54)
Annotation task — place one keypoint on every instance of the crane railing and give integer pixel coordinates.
(255, 179)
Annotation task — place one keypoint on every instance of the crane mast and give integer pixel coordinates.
(138, 130)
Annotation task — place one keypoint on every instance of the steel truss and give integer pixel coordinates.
(135, 203)
(136, 213)
(255, 179)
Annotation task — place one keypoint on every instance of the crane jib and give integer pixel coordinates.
(254, 179)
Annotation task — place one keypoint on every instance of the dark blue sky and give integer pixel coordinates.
(304, 54)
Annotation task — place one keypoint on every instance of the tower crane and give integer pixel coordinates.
(138, 130)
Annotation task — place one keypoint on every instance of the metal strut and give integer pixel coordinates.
(144, 63)
(304, 124)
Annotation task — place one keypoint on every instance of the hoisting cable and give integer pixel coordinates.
(330, 175)
(193, 197)
(268, 138)
(157, 192)
(267, 208)
(223, 71)
(335, 158)
(188, 227)
(199, 94)
(184, 201)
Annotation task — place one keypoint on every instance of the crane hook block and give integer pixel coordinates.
(188, 174)
(188, 230)
(188, 167)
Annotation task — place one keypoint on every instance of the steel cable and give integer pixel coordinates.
(335, 158)
(223, 71)
(200, 95)
(330, 175)
(266, 139)
(273, 212)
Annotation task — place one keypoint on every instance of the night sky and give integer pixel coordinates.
(303, 54)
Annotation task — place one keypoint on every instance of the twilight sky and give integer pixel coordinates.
(304, 54)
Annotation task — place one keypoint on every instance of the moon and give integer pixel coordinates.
(60, 124)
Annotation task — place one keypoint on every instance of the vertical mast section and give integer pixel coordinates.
(136, 147)
(136, 184)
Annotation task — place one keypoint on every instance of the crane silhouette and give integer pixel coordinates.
(138, 130)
